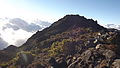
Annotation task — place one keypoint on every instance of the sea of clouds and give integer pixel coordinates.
(16, 31)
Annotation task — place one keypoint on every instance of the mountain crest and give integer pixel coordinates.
(67, 23)
(78, 22)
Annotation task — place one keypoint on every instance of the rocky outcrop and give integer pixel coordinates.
(11, 48)
(91, 58)
(98, 52)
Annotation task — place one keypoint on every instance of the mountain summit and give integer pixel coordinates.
(76, 21)
(67, 23)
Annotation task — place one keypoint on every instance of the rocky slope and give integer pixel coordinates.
(71, 42)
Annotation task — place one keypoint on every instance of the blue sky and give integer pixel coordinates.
(105, 11)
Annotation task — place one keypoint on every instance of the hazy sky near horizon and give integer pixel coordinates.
(105, 11)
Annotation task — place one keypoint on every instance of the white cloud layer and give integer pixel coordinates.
(16, 31)
(113, 26)
(11, 36)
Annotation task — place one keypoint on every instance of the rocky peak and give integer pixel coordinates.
(11, 48)
(73, 17)
(67, 23)
(76, 21)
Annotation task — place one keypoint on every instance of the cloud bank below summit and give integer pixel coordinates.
(16, 31)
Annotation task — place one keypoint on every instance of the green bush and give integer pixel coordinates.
(55, 48)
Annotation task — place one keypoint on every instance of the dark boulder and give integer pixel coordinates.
(54, 64)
